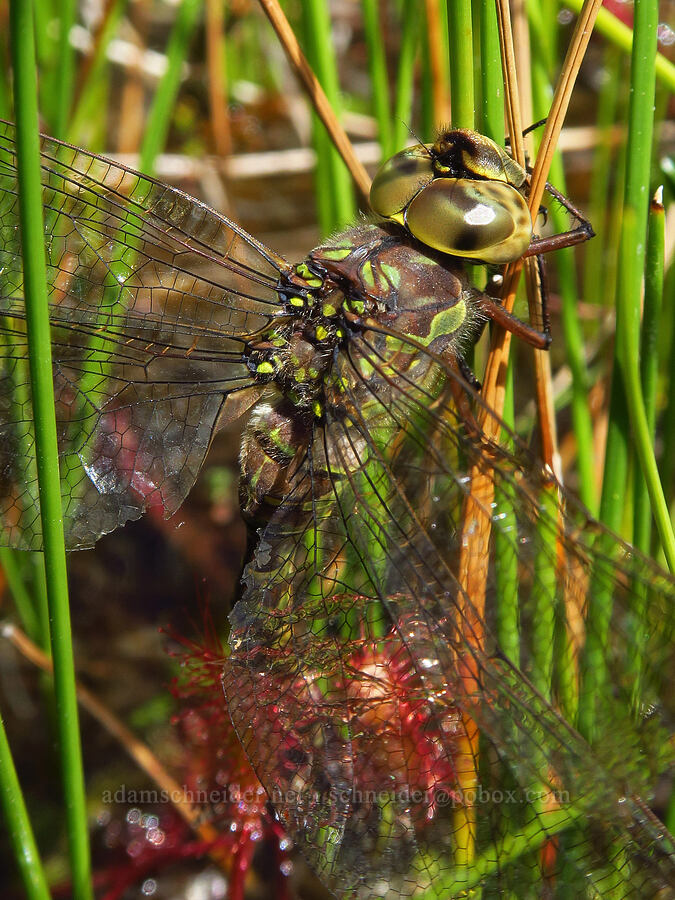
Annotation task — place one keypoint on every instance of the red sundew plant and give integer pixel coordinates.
(217, 775)
(409, 744)
(140, 847)
(403, 739)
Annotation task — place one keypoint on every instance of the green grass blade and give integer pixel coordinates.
(461, 63)
(333, 180)
(18, 825)
(379, 77)
(65, 69)
(634, 226)
(159, 117)
(37, 319)
(621, 36)
(649, 357)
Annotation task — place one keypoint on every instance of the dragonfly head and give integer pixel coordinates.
(462, 195)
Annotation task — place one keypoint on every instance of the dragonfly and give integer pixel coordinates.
(414, 738)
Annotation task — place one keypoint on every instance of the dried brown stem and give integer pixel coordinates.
(439, 86)
(472, 571)
(496, 367)
(316, 94)
(215, 56)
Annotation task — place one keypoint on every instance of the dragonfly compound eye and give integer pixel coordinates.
(483, 220)
(399, 180)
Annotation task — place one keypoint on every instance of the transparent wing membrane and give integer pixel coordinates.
(151, 294)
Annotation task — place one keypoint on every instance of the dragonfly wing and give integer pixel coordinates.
(151, 297)
(403, 742)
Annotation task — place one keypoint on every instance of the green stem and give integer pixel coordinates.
(649, 358)
(507, 610)
(492, 86)
(65, 71)
(649, 364)
(565, 265)
(317, 28)
(379, 78)
(597, 269)
(161, 111)
(403, 97)
(18, 825)
(627, 348)
(461, 63)
(88, 93)
(613, 502)
(22, 599)
(621, 35)
(37, 323)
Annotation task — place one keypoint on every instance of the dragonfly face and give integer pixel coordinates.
(405, 742)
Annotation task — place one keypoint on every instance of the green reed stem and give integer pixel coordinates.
(649, 364)
(405, 74)
(37, 323)
(565, 265)
(65, 67)
(161, 110)
(621, 36)
(597, 269)
(22, 599)
(632, 255)
(627, 347)
(507, 610)
(18, 825)
(461, 63)
(88, 93)
(649, 358)
(333, 180)
(492, 85)
(46, 47)
(667, 424)
(492, 124)
(379, 77)
(5, 87)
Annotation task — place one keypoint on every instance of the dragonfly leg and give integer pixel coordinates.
(494, 310)
(577, 235)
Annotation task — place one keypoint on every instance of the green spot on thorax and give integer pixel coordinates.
(306, 273)
(276, 439)
(445, 322)
(368, 275)
(337, 253)
(392, 273)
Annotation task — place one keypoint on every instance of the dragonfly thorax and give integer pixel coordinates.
(296, 356)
